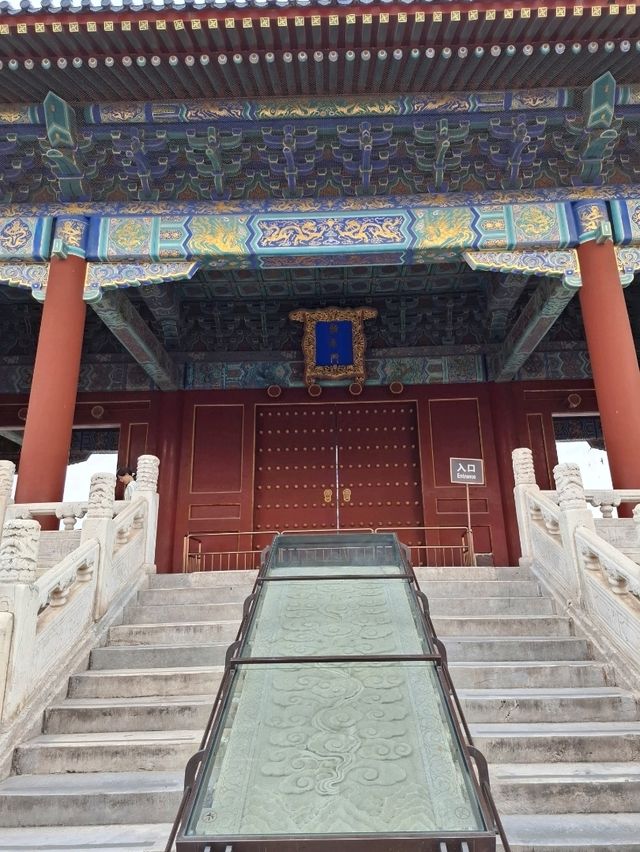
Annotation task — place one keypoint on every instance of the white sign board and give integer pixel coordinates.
(467, 471)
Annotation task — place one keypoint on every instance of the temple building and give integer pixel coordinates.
(307, 253)
(177, 179)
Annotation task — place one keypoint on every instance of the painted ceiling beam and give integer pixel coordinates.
(547, 303)
(504, 292)
(306, 108)
(126, 324)
(620, 196)
(163, 301)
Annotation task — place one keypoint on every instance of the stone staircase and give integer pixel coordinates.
(562, 740)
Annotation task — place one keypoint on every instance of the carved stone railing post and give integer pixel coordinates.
(7, 472)
(98, 523)
(18, 610)
(525, 482)
(69, 513)
(607, 502)
(147, 489)
(19, 552)
(574, 512)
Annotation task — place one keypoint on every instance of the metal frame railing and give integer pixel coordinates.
(248, 558)
(478, 841)
(435, 555)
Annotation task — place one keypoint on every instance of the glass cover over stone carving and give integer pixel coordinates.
(358, 743)
(335, 617)
(328, 555)
(335, 748)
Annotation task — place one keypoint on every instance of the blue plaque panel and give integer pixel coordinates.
(334, 343)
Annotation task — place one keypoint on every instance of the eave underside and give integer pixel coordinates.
(178, 109)
(322, 50)
(320, 148)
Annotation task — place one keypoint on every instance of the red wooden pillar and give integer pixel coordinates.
(47, 435)
(168, 443)
(503, 405)
(614, 363)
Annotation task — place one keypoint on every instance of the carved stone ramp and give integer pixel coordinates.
(336, 727)
(499, 680)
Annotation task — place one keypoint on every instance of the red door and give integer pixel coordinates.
(337, 466)
(295, 476)
(378, 466)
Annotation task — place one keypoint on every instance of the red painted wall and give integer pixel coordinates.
(206, 444)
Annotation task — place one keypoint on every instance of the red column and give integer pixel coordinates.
(503, 407)
(168, 443)
(614, 363)
(47, 435)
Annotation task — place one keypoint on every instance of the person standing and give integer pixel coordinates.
(127, 476)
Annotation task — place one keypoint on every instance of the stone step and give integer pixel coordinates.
(513, 607)
(564, 788)
(525, 648)
(188, 596)
(203, 579)
(184, 711)
(94, 715)
(173, 633)
(158, 656)
(142, 683)
(155, 614)
(530, 675)
(181, 633)
(455, 573)
(553, 742)
(548, 705)
(469, 649)
(87, 838)
(501, 626)
(117, 751)
(480, 588)
(529, 833)
(573, 832)
(92, 798)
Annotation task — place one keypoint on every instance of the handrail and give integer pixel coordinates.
(67, 511)
(466, 548)
(541, 500)
(605, 499)
(621, 572)
(58, 601)
(583, 561)
(200, 557)
(53, 585)
(247, 558)
(329, 531)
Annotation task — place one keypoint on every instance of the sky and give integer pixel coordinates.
(594, 465)
(76, 486)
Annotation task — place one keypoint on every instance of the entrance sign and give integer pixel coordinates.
(467, 471)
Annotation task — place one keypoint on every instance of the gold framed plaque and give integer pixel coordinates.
(333, 343)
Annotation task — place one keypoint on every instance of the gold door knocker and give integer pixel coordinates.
(328, 494)
(346, 495)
